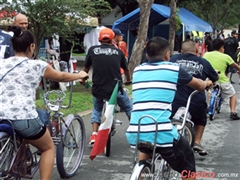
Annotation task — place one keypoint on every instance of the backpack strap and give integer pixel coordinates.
(12, 69)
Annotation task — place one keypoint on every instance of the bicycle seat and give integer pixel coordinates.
(5, 129)
(145, 147)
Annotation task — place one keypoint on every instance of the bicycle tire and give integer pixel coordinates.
(189, 133)
(107, 149)
(212, 105)
(69, 168)
(142, 170)
(7, 154)
(219, 104)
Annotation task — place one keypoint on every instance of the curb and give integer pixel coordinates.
(85, 113)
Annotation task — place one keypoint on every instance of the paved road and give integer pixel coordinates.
(221, 139)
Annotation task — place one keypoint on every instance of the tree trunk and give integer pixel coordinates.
(172, 24)
(137, 51)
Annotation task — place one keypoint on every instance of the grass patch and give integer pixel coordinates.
(78, 54)
(82, 100)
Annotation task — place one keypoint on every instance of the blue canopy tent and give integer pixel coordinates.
(158, 14)
(130, 21)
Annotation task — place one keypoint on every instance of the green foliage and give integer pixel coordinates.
(177, 21)
(62, 17)
(220, 14)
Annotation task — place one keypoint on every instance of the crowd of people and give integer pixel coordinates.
(160, 86)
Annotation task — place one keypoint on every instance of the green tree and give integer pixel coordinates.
(172, 24)
(62, 17)
(220, 14)
(145, 7)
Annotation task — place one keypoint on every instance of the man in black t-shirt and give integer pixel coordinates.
(198, 68)
(230, 48)
(231, 45)
(106, 61)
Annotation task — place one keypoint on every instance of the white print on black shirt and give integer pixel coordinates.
(192, 67)
(105, 51)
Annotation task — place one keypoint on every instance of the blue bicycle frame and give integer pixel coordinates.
(215, 101)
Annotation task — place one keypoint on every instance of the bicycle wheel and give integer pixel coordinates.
(107, 149)
(188, 132)
(219, 104)
(7, 148)
(70, 150)
(142, 171)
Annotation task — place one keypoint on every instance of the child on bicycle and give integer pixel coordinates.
(154, 87)
(221, 61)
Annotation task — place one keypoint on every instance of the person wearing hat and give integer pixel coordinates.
(106, 61)
(120, 44)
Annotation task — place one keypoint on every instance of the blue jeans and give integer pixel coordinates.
(123, 102)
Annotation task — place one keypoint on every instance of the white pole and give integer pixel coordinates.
(183, 32)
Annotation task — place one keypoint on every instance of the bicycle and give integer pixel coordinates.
(19, 160)
(107, 149)
(145, 169)
(188, 129)
(215, 102)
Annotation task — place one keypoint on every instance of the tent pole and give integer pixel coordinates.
(128, 35)
(183, 32)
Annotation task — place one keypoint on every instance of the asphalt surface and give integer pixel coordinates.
(221, 139)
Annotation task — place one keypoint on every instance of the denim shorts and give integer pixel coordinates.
(123, 102)
(180, 157)
(29, 129)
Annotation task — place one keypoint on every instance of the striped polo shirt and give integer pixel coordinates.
(153, 91)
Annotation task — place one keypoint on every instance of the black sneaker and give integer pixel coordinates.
(198, 148)
(234, 116)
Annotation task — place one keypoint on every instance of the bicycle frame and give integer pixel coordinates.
(185, 118)
(21, 165)
(157, 156)
(215, 96)
(155, 139)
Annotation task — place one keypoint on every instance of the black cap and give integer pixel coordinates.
(234, 32)
(118, 32)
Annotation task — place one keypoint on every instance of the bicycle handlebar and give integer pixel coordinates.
(56, 104)
(187, 108)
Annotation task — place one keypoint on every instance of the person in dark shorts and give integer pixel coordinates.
(199, 68)
(154, 87)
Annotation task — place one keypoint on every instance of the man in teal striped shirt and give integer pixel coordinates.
(154, 87)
